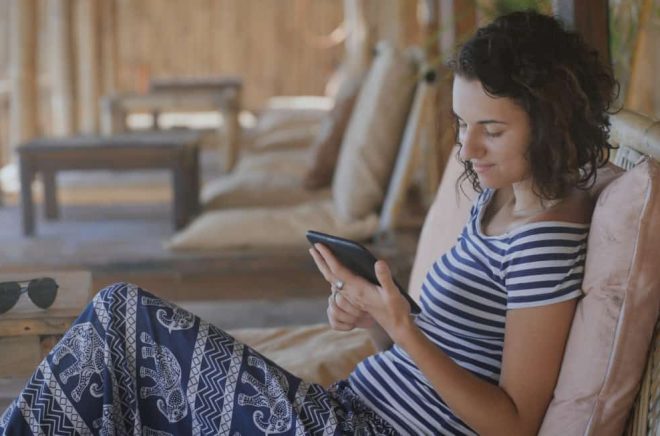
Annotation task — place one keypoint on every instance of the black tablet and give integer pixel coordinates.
(355, 257)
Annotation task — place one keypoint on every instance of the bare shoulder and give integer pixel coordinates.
(574, 208)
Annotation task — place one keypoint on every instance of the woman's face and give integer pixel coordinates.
(494, 134)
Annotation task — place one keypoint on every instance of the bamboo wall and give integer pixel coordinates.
(272, 44)
(278, 47)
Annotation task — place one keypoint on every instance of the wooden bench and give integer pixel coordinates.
(177, 151)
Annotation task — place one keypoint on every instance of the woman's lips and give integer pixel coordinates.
(480, 168)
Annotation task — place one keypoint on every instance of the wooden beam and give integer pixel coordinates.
(109, 47)
(62, 71)
(590, 18)
(23, 107)
(358, 43)
(89, 72)
(643, 74)
(396, 21)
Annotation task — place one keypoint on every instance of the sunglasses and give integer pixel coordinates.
(41, 291)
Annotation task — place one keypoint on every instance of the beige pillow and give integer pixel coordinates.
(262, 180)
(371, 141)
(268, 227)
(315, 353)
(282, 119)
(325, 146)
(613, 326)
(291, 137)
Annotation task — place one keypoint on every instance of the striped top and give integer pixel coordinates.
(464, 301)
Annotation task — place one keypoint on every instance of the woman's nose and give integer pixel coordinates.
(470, 147)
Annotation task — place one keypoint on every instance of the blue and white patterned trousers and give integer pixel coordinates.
(133, 364)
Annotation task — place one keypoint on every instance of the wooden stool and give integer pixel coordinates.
(27, 333)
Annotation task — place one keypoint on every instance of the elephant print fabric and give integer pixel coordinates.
(135, 364)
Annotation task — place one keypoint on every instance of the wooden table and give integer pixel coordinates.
(177, 151)
(222, 94)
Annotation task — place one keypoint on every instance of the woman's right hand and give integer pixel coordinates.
(342, 314)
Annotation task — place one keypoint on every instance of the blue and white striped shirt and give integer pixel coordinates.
(464, 301)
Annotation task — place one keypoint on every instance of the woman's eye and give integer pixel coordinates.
(493, 134)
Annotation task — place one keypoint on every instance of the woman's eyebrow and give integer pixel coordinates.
(482, 121)
(491, 122)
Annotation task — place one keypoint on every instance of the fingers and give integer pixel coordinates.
(341, 312)
(321, 265)
(339, 319)
(331, 261)
(344, 304)
(384, 276)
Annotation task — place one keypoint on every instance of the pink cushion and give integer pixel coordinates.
(613, 326)
(444, 222)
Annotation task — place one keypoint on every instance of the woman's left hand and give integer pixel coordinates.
(384, 303)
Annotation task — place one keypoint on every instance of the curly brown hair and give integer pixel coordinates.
(559, 81)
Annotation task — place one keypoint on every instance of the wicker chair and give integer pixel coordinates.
(637, 135)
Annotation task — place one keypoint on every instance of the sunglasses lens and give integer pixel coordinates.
(10, 292)
(42, 292)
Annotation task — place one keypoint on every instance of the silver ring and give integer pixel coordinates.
(339, 285)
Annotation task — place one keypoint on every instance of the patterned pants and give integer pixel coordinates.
(135, 364)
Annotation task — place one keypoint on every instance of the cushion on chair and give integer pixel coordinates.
(613, 325)
(444, 221)
(262, 180)
(267, 227)
(373, 135)
(282, 119)
(287, 138)
(315, 353)
(325, 146)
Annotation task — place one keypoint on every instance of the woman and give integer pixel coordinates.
(483, 356)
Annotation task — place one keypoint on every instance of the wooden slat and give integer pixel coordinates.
(19, 356)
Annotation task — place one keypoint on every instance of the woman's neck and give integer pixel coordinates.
(524, 202)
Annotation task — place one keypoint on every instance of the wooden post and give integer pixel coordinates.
(62, 72)
(108, 23)
(457, 23)
(591, 19)
(429, 12)
(88, 45)
(357, 44)
(23, 107)
(396, 21)
(643, 74)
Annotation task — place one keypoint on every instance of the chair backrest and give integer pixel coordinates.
(615, 385)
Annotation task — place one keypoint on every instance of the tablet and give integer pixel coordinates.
(356, 258)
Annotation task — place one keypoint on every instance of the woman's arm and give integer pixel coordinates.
(533, 349)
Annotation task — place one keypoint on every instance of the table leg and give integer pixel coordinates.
(230, 110)
(50, 194)
(27, 206)
(179, 184)
(193, 194)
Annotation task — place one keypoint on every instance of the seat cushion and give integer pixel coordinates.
(607, 347)
(262, 180)
(373, 135)
(315, 353)
(268, 227)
